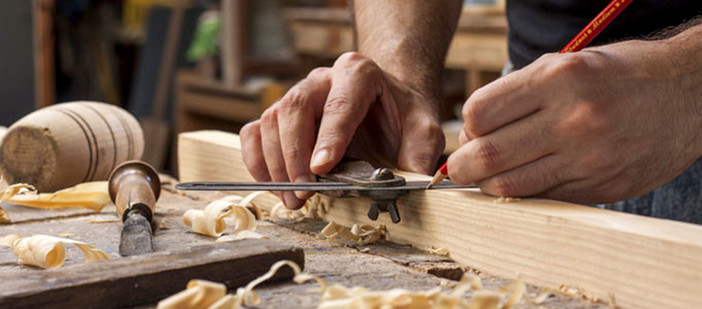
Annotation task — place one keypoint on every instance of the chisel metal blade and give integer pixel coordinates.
(136, 237)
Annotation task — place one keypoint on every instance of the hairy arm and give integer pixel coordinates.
(408, 38)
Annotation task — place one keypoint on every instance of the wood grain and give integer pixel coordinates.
(146, 278)
(641, 262)
(65, 144)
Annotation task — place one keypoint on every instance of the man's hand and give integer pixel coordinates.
(598, 126)
(353, 108)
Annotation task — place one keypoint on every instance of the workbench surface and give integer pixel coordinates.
(382, 266)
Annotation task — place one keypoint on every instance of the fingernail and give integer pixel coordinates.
(291, 201)
(320, 158)
(302, 194)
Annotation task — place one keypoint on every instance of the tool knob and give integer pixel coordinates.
(134, 186)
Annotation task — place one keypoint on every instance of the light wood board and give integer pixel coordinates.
(640, 262)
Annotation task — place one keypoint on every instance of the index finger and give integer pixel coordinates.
(296, 121)
(356, 84)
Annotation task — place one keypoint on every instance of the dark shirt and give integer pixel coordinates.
(543, 26)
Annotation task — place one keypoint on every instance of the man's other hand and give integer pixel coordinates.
(352, 109)
(598, 126)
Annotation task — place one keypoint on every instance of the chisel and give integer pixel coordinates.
(134, 188)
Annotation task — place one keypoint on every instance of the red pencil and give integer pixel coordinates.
(589, 33)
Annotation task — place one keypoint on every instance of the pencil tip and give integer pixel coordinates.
(438, 177)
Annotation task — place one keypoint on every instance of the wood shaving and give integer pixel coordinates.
(198, 294)
(66, 234)
(90, 195)
(103, 220)
(9, 192)
(241, 235)
(163, 226)
(48, 251)
(357, 234)
(210, 221)
(205, 294)
(255, 210)
(308, 211)
(504, 200)
(438, 251)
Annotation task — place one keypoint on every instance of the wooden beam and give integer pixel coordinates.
(136, 280)
(641, 262)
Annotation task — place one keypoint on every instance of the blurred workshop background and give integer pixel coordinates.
(182, 65)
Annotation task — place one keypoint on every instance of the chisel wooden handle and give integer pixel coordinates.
(134, 186)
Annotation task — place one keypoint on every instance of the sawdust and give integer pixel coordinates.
(47, 251)
(206, 294)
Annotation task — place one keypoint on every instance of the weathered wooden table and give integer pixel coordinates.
(382, 266)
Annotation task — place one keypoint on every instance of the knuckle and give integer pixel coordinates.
(293, 100)
(292, 152)
(472, 114)
(248, 130)
(270, 115)
(349, 57)
(316, 72)
(358, 65)
(337, 104)
(487, 155)
(572, 65)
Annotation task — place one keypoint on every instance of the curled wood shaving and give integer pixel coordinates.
(236, 199)
(308, 211)
(4, 216)
(357, 234)
(48, 251)
(438, 251)
(210, 221)
(90, 195)
(241, 235)
(198, 294)
(207, 294)
(9, 192)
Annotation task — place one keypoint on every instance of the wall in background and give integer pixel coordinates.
(16, 60)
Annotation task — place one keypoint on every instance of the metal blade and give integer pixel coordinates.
(310, 186)
(136, 235)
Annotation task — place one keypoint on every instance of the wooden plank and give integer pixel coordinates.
(144, 279)
(641, 262)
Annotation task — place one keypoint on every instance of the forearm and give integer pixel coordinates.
(407, 38)
(683, 54)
